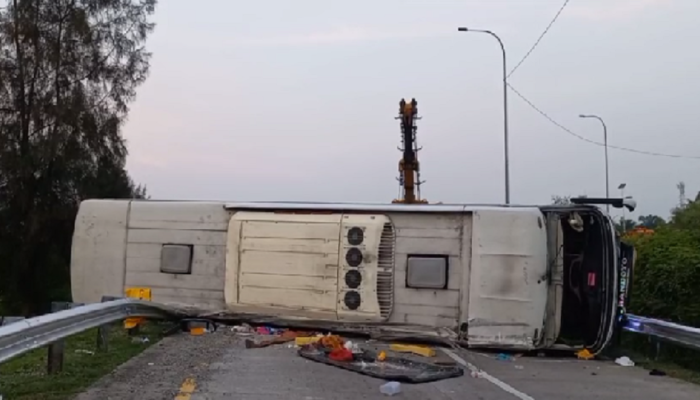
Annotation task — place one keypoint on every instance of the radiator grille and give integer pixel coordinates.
(385, 271)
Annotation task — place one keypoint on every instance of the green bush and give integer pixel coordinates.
(666, 281)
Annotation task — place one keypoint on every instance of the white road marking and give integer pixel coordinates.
(473, 368)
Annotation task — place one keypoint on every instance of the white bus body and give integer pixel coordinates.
(497, 276)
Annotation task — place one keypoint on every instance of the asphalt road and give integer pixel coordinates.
(218, 366)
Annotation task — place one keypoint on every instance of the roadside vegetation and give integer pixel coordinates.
(69, 70)
(26, 378)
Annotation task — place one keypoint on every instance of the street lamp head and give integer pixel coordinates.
(583, 116)
(622, 186)
(463, 29)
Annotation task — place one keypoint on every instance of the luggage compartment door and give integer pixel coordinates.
(283, 264)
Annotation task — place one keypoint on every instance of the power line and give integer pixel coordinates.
(562, 127)
(585, 139)
(537, 42)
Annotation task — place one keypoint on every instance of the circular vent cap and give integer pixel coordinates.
(353, 257)
(352, 300)
(356, 236)
(353, 279)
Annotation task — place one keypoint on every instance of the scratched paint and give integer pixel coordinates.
(186, 389)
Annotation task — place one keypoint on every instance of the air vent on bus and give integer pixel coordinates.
(352, 300)
(353, 279)
(366, 268)
(355, 236)
(353, 257)
(385, 270)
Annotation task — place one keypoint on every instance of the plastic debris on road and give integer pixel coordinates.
(390, 388)
(624, 361)
(504, 357)
(282, 336)
(243, 329)
(584, 355)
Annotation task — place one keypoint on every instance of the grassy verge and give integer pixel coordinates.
(675, 361)
(25, 377)
(670, 368)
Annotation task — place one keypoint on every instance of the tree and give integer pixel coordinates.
(651, 221)
(68, 71)
(623, 224)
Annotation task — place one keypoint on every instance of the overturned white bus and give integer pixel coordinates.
(510, 277)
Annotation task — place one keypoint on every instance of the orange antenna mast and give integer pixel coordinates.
(409, 168)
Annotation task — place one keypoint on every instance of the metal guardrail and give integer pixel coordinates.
(681, 335)
(29, 334)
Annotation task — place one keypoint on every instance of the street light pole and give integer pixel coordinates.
(605, 144)
(624, 217)
(505, 106)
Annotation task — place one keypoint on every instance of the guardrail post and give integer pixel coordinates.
(103, 331)
(56, 349)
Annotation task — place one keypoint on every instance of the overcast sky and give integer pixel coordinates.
(295, 100)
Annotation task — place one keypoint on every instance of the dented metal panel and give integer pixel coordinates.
(508, 289)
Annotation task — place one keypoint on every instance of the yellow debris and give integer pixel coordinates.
(381, 356)
(197, 331)
(131, 323)
(584, 355)
(424, 351)
(186, 389)
(303, 341)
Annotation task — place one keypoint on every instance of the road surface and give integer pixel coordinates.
(218, 366)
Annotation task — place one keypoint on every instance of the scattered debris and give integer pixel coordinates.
(83, 351)
(624, 361)
(306, 340)
(243, 329)
(504, 357)
(283, 337)
(390, 388)
(263, 330)
(477, 374)
(353, 347)
(140, 340)
(424, 351)
(584, 355)
(332, 350)
(519, 367)
(341, 354)
(197, 326)
(657, 372)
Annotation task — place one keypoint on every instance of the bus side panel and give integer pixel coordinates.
(200, 227)
(428, 235)
(99, 249)
(508, 285)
